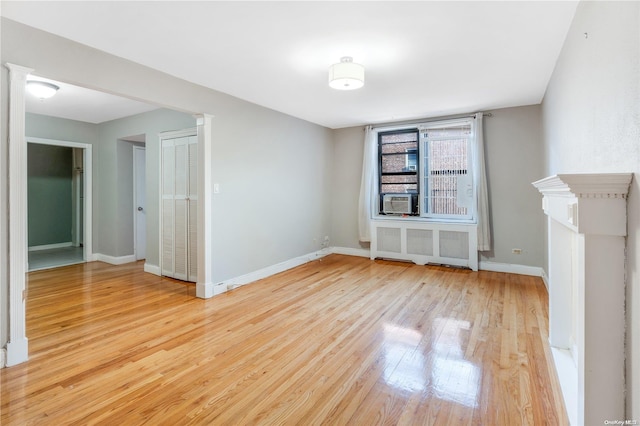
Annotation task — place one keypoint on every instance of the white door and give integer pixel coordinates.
(140, 214)
(179, 235)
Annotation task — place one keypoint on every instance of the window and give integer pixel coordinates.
(432, 161)
(398, 168)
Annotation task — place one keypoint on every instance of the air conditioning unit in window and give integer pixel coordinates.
(396, 203)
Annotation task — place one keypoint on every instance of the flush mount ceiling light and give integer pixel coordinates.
(41, 89)
(346, 75)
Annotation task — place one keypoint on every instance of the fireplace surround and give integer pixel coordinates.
(587, 228)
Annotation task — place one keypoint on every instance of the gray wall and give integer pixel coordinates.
(273, 169)
(113, 171)
(49, 174)
(513, 161)
(513, 155)
(347, 174)
(591, 123)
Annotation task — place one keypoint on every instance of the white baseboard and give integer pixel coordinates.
(511, 268)
(50, 246)
(152, 269)
(121, 260)
(3, 358)
(484, 265)
(545, 279)
(236, 282)
(352, 251)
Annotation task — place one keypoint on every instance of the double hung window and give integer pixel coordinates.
(434, 163)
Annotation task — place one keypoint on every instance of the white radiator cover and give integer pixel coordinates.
(425, 242)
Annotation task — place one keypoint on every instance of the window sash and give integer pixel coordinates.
(441, 189)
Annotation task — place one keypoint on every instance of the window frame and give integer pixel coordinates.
(425, 216)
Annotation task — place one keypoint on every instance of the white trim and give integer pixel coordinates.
(568, 377)
(87, 235)
(136, 172)
(236, 282)
(115, 260)
(152, 269)
(204, 287)
(55, 142)
(3, 357)
(348, 251)
(17, 346)
(511, 268)
(51, 246)
(545, 279)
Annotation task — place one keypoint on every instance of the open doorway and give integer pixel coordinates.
(59, 216)
(106, 238)
(139, 166)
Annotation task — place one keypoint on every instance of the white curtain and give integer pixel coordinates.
(367, 185)
(484, 225)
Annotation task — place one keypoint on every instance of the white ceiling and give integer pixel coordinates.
(77, 103)
(422, 58)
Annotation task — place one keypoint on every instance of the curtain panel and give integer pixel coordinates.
(367, 184)
(484, 224)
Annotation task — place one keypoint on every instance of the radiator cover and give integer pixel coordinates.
(425, 242)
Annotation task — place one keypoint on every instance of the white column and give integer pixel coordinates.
(17, 346)
(601, 331)
(204, 285)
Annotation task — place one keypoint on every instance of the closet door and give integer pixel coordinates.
(192, 207)
(167, 211)
(179, 208)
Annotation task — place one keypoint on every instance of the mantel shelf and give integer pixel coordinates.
(586, 185)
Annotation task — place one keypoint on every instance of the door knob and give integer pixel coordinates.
(139, 209)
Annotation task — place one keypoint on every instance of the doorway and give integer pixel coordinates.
(17, 349)
(59, 207)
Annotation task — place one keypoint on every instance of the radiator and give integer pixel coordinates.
(422, 243)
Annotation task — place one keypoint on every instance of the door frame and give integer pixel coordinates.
(136, 175)
(87, 208)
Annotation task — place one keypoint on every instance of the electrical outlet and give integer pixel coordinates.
(325, 242)
(516, 251)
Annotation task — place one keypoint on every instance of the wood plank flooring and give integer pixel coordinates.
(342, 340)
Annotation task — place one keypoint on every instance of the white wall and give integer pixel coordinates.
(514, 160)
(591, 123)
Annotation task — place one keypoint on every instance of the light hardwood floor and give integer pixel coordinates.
(342, 340)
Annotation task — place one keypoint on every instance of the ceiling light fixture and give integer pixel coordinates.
(346, 75)
(41, 89)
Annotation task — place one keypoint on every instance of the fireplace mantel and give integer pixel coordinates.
(587, 226)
